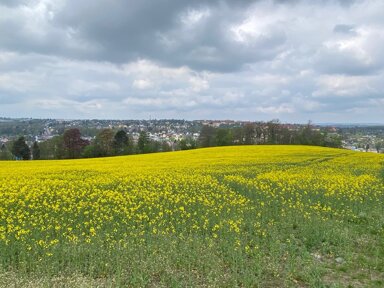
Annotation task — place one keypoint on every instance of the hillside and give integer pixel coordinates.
(267, 216)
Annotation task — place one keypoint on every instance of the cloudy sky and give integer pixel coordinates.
(319, 60)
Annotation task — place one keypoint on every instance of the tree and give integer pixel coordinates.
(249, 134)
(187, 143)
(306, 135)
(238, 135)
(91, 151)
(260, 133)
(165, 147)
(224, 137)
(4, 153)
(52, 148)
(73, 143)
(121, 143)
(104, 142)
(153, 146)
(378, 146)
(273, 131)
(143, 142)
(35, 151)
(20, 149)
(285, 136)
(332, 140)
(207, 136)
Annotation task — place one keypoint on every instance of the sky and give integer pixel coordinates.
(319, 60)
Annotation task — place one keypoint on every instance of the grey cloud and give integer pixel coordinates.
(352, 55)
(292, 60)
(345, 29)
(123, 31)
(336, 62)
(12, 3)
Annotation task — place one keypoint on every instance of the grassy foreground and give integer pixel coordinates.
(251, 216)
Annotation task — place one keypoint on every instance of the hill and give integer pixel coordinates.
(267, 216)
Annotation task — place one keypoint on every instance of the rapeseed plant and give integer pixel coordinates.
(236, 196)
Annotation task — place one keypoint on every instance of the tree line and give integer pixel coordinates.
(270, 133)
(71, 145)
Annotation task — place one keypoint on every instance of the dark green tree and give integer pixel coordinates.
(306, 135)
(207, 136)
(224, 137)
(143, 142)
(21, 150)
(35, 151)
(332, 140)
(249, 134)
(153, 146)
(4, 153)
(92, 151)
(121, 143)
(52, 148)
(187, 143)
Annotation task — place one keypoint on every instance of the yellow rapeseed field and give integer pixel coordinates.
(240, 197)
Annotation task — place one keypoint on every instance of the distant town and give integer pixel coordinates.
(44, 129)
(172, 134)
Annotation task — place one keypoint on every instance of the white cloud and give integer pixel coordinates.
(198, 84)
(344, 86)
(142, 84)
(78, 87)
(192, 17)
